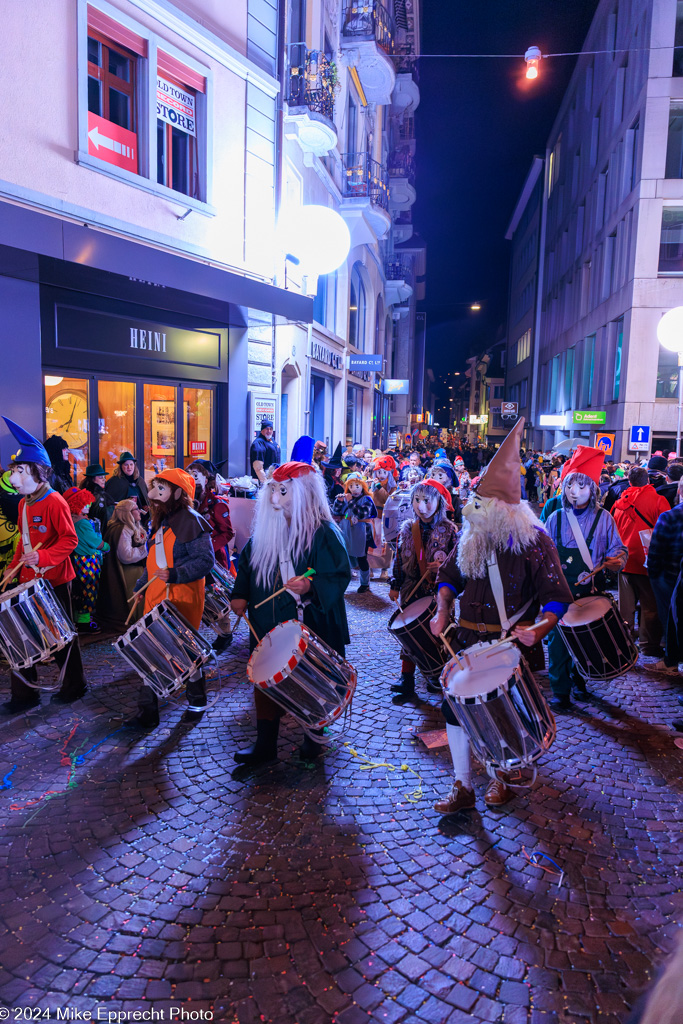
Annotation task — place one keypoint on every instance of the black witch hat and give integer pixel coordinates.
(336, 461)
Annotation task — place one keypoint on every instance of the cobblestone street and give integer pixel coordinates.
(147, 872)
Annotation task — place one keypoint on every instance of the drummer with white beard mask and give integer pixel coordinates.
(586, 537)
(504, 569)
(293, 532)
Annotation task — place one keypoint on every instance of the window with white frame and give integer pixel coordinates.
(523, 348)
(123, 65)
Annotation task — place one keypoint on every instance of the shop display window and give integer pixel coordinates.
(160, 429)
(198, 418)
(67, 416)
(116, 420)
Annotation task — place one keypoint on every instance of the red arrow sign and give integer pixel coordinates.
(112, 143)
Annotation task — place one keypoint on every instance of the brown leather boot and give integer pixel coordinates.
(497, 792)
(459, 799)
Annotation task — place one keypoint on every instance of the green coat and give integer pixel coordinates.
(326, 612)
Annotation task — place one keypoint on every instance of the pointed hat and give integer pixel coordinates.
(588, 461)
(303, 449)
(31, 449)
(335, 462)
(502, 477)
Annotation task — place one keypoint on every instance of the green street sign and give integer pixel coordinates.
(597, 417)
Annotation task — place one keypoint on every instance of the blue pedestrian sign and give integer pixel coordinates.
(639, 440)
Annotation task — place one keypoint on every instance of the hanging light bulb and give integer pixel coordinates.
(533, 59)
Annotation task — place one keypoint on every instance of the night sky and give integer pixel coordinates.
(479, 124)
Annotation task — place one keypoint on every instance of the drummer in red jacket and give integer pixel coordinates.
(45, 520)
(635, 513)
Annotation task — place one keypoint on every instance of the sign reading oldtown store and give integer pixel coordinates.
(176, 106)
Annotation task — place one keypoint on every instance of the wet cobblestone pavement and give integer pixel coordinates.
(144, 872)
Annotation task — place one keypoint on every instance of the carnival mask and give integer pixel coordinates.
(577, 490)
(441, 476)
(281, 498)
(381, 475)
(355, 490)
(476, 509)
(160, 491)
(425, 506)
(22, 480)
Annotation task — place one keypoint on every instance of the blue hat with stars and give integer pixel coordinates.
(31, 450)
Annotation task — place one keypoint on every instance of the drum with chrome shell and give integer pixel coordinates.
(33, 624)
(303, 675)
(410, 626)
(217, 595)
(164, 649)
(497, 701)
(597, 638)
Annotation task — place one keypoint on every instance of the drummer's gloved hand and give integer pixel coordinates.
(530, 635)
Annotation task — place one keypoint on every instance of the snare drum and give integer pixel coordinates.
(33, 624)
(302, 674)
(597, 638)
(499, 704)
(410, 626)
(164, 649)
(217, 596)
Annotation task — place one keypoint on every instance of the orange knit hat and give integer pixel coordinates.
(179, 478)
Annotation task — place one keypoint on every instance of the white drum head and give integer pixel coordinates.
(483, 670)
(278, 653)
(414, 610)
(586, 610)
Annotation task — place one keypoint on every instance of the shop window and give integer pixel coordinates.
(671, 241)
(111, 82)
(115, 420)
(197, 420)
(67, 416)
(667, 374)
(160, 429)
(617, 358)
(354, 415)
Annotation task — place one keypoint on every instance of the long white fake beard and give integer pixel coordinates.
(505, 527)
(272, 537)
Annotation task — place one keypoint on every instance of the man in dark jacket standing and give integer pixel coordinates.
(264, 452)
(669, 489)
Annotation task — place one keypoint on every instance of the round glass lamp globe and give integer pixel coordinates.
(670, 330)
(318, 237)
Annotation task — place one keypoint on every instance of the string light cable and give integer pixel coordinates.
(544, 56)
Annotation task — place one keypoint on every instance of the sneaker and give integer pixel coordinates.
(662, 667)
(497, 793)
(459, 799)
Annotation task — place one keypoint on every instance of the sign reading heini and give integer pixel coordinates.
(596, 416)
(176, 106)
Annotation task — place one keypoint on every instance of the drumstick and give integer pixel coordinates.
(584, 577)
(418, 584)
(306, 576)
(450, 649)
(508, 640)
(142, 589)
(10, 573)
(253, 631)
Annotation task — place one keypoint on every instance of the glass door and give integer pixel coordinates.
(197, 424)
(116, 420)
(67, 416)
(160, 449)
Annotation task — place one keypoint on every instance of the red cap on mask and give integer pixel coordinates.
(437, 485)
(292, 470)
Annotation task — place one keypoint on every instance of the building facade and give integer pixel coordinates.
(150, 302)
(611, 230)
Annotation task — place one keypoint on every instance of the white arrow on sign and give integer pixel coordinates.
(98, 139)
(640, 433)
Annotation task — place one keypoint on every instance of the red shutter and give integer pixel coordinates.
(170, 66)
(106, 26)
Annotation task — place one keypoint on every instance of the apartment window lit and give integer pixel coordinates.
(667, 374)
(357, 309)
(177, 166)
(671, 241)
(523, 348)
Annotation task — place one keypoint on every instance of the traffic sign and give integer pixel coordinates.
(639, 439)
(605, 442)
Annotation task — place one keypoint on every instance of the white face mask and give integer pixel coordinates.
(22, 480)
(381, 475)
(198, 478)
(577, 494)
(476, 509)
(281, 498)
(425, 507)
(442, 476)
(356, 490)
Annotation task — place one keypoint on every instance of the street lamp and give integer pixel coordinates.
(670, 335)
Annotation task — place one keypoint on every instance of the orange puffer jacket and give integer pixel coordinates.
(634, 507)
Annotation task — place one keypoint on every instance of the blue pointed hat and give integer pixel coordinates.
(31, 450)
(303, 449)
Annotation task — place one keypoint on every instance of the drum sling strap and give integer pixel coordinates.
(582, 544)
(499, 596)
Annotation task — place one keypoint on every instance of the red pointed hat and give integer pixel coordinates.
(292, 470)
(588, 461)
(438, 486)
(502, 478)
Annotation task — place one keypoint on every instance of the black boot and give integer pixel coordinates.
(309, 749)
(196, 698)
(405, 687)
(17, 707)
(148, 707)
(265, 748)
(222, 642)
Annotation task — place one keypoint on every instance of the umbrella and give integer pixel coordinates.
(568, 445)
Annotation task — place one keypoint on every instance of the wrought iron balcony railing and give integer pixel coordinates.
(397, 268)
(312, 80)
(365, 178)
(401, 165)
(406, 129)
(369, 19)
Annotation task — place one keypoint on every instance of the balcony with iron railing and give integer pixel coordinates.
(401, 164)
(368, 39)
(311, 88)
(398, 272)
(402, 192)
(365, 197)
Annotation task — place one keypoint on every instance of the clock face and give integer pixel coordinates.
(67, 416)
